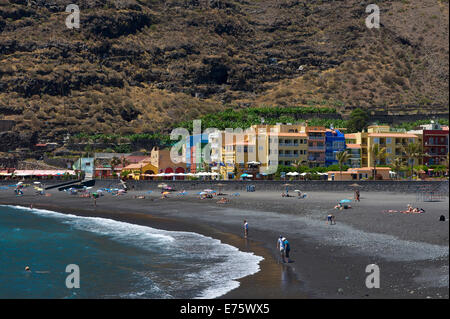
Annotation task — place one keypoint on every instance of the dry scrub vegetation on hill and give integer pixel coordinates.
(141, 65)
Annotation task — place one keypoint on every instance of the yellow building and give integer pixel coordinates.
(139, 170)
(393, 142)
(259, 147)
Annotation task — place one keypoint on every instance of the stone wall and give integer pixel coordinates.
(410, 187)
(375, 186)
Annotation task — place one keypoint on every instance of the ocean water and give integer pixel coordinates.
(116, 259)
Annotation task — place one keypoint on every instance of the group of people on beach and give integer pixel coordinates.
(409, 210)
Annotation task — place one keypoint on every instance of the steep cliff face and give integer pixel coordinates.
(141, 65)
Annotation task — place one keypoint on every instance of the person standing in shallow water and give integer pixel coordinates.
(245, 229)
(287, 249)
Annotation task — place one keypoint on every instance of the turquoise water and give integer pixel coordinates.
(116, 259)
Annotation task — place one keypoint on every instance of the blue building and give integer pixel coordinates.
(335, 143)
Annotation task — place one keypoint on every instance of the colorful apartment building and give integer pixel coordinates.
(316, 145)
(253, 151)
(393, 142)
(334, 143)
(435, 144)
(355, 155)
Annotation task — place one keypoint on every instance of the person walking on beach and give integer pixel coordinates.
(357, 195)
(245, 229)
(331, 219)
(280, 246)
(287, 249)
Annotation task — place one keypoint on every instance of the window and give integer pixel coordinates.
(376, 140)
(389, 150)
(388, 140)
(239, 149)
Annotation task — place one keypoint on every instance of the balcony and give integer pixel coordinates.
(316, 138)
(316, 148)
(316, 159)
(288, 155)
(288, 144)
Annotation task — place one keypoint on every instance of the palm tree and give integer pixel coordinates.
(377, 154)
(397, 166)
(124, 162)
(445, 161)
(205, 166)
(114, 162)
(296, 164)
(342, 158)
(412, 151)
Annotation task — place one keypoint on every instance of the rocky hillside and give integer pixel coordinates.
(142, 65)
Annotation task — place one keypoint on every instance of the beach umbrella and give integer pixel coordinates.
(166, 193)
(162, 185)
(355, 185)
(36, 182)
(345, 201)
(208, 190)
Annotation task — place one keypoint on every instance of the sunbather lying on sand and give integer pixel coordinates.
(410, 210)
(341, 207)
(223, 200)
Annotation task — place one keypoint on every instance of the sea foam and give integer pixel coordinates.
(219, 265)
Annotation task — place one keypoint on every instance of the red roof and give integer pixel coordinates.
(132, 159)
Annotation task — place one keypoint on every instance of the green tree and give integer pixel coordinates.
(397, 166)
(342, 158)
(115, 161)
(358, 120)
(412, 152)
(445, 161)
(377, 154)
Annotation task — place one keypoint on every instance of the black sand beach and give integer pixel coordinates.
(411, 250)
